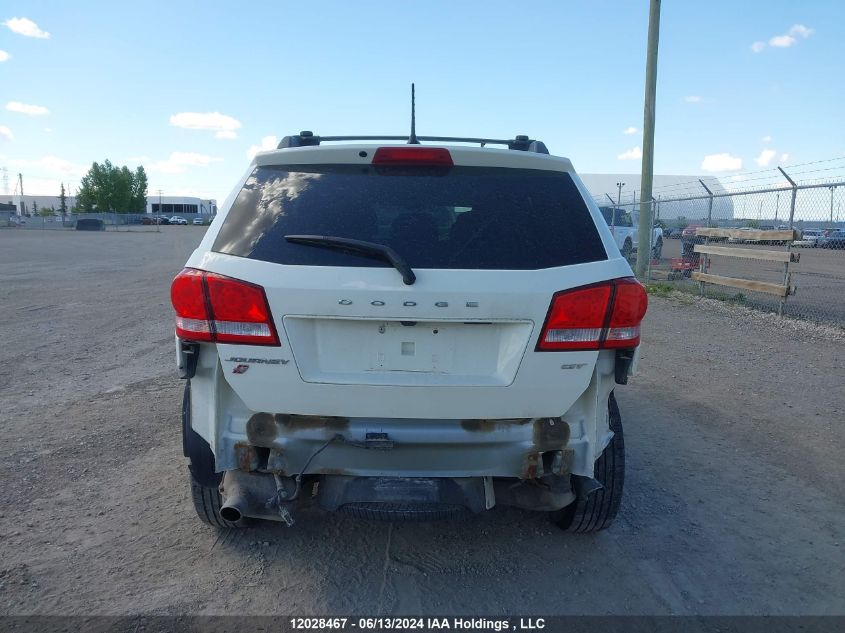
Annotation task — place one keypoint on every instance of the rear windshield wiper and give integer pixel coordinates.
(359, 247)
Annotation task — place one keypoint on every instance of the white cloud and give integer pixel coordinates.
(782, 41)
(26, 27)
(48, 129)
(52, 164)
(721, 162)
(6, 133)
(800, 30)
(178, 162)
(693, 99)
(36, 186)
(795, 32)
(26, 108)
(137, 159)
(766, 139)
(4, 56)
(223, 125)
(765, 157)
(784, 158)
(267, 143)
(630, 130)
(635, 153)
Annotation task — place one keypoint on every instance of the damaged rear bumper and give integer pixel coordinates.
(263, 496)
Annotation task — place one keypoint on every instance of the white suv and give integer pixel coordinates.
(406, 332)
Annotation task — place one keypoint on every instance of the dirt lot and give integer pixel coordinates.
(734, 502)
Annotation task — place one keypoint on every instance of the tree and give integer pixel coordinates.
(63, 201)
(139, 191)
(34, 210)
(44, 212)
(111, 188)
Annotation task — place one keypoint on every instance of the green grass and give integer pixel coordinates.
(659, 288)
(665, 289)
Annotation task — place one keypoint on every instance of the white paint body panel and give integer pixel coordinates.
(335, 362)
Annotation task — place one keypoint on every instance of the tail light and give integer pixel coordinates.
(600, 316)
(412, 156)
(214, 308)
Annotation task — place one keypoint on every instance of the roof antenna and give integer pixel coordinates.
(412, 140)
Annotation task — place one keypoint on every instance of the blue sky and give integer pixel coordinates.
(112, 77)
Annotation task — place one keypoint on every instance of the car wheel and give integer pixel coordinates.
(203, 481)
(597, 511)
(627, 249)
(657, 251)
(207, 502)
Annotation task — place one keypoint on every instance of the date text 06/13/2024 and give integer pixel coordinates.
(418, 624)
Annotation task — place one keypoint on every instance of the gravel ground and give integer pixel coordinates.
(734, 499)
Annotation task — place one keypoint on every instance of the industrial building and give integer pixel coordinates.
(601, 186)
(175, 205)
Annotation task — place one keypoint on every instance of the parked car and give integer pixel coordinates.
(148, 220)
(740, 240)
(834, 239)
(689, 231)
(198, 222)
(358, 331)
(625, 229)
(809, 238)
(178, 220)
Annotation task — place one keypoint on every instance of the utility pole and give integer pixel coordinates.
(160, 212)
(619, 186)
(20, 187)
(644, 241)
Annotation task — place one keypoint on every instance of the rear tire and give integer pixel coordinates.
(657, 251)
(196, 449)
(207, 503)
(204, 482)
(598, 510)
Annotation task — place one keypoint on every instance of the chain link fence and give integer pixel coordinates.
(811, 267)
(98, 221)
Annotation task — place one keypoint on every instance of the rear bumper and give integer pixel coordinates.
(523, 448)
(313, 445)
(263, 496)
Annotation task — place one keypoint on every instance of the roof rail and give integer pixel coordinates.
(520, 142)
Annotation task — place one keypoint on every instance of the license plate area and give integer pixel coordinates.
(389, 352)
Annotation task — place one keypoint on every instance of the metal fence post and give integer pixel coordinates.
(702, 265)
(788, 242)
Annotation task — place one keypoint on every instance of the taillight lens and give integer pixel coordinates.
(413, 156)
(188, 296)
(600, 316)
(211, 307)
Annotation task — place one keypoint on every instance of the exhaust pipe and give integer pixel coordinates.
(235, 501)
(255, 495)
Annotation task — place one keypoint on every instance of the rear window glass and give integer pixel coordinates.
(616, 217)
(461, 218)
